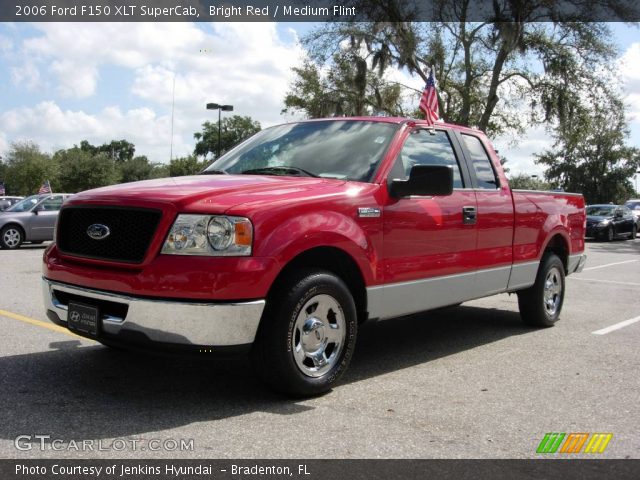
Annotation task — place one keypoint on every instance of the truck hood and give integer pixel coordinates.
(208, 193)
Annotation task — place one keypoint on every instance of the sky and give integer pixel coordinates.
(64, 83)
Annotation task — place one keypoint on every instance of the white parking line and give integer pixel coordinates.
(616, 326)
(609, 265)
(613, 282)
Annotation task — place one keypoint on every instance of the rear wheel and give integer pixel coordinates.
(307, 334)
(11, 237)
(541, 304)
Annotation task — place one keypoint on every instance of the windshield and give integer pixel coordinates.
(24, 205)
(601, 210)
(343, 149)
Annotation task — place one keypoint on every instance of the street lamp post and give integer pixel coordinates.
(220, 108)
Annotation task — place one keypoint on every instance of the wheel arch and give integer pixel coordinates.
(334, 260)
(558, 245)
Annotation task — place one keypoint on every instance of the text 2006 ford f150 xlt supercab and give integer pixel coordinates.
(289, 241)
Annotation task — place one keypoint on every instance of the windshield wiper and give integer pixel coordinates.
(213, 172)
(275, 170)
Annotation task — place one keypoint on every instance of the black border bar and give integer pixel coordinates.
(318, 10)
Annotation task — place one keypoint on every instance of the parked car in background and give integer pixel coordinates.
(6, 202)
(30, 220)
(634, 206)
(607, 222)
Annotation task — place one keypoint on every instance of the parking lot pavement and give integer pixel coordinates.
(465, 382)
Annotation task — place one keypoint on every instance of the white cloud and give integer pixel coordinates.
(629, 68)
(247, 65)
(520, 153)
(27, 75)
(53, 128)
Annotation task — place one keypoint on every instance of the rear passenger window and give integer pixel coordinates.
(481, 164)
(424, 148)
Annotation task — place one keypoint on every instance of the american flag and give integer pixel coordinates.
(2, 191)
(429, 100)
(45, 187)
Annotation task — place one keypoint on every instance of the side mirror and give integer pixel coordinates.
(425, 180)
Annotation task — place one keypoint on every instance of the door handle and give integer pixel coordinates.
(469, 215)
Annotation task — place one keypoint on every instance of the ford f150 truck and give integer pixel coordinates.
(288, 242)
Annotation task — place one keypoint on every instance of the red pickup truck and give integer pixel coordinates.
(287, 243)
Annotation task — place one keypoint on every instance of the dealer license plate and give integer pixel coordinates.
(83, 318)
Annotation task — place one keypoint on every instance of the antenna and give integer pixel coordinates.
(173, 104)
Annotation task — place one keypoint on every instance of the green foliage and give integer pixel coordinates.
(135, 169)
(118, 150)
(488, 73)
(26, 167)
(186, 166)
(233, 130)
(350, 88)
(83, 170)
(590, 154)
(523, 181)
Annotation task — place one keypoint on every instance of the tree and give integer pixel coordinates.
(26, 167)
(234, 130)
(348, 88)
(590, 154)
(84, 170)
(186, 166)
(135, 169)
(118, 150)
(488, 71)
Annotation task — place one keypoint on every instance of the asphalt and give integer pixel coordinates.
(465, 382)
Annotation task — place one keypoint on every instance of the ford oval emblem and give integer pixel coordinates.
(98, 231)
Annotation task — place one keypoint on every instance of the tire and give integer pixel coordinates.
(11, 237)
(634, 232)
(307, 334)
(609, 235)
(541, 304)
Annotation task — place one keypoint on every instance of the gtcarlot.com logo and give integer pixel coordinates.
(574, 443)
(47, 442)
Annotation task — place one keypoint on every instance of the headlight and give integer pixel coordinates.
(604, 223)
(216, 235)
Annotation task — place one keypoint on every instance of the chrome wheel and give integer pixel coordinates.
(552, 291)
(12, 237)
(319, 335)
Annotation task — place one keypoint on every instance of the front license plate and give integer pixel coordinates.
(83, 318)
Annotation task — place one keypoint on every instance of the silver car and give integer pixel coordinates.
(6, 202)
(30, 220)
(634, 206)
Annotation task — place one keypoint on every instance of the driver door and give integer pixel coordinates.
(429, 242)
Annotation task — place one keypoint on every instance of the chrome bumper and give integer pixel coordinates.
(576, 263)
(166, 321)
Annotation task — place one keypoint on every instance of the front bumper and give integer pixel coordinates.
(595, 230)
(126, 319)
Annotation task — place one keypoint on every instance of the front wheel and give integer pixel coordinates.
(11, 237)
(540, 304)
(609, 234)
(307, 334)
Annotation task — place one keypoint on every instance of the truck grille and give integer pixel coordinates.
(130, 232)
